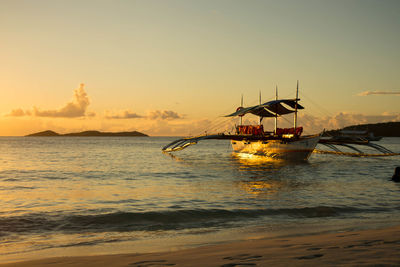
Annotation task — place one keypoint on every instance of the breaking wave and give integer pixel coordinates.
(156, 220)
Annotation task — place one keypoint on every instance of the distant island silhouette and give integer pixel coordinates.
(385, 129)
(88, 133)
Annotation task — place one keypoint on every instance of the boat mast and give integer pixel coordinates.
(276, 114)
(295, 107)
(241, 105)
(260, 104)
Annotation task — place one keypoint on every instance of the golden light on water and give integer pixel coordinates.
(246, 159)
(257, 188)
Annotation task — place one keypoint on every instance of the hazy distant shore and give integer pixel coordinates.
(358, 248)
(88, 133)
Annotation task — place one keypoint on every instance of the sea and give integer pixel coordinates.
(71, 196)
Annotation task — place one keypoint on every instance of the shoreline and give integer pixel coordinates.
(364, 247)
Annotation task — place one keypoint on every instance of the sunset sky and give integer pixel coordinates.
(175, 67)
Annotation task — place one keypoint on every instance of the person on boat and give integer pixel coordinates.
(396, 175)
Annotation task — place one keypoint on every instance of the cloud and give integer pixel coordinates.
(176, 127)
(19, 112)
(125, 114)
(163, 115)
(314, 124)
(91, 114)
(74, 109)
(379, 93)
(344, 119)
(152, 115)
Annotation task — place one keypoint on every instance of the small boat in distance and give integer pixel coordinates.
(286, 144)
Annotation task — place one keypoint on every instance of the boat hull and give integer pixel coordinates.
(280, 149)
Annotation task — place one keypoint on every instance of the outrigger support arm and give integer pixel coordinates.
(185, 142)
(338, 150)
(333, 143)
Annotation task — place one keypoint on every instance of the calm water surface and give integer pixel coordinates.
(95, 195)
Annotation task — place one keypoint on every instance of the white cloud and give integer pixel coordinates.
(365, 93)
(19, 112)
(125, 114)
(342, 119)
(74, 109)
(163, 115)
(176, 127)
(312, 124)
(152, 115)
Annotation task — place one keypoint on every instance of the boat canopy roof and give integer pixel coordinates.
(269, 109)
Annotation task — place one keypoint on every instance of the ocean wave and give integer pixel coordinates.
(156, 220)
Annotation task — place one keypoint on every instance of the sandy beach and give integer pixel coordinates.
(359, 248)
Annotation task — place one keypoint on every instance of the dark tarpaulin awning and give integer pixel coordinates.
(262, 112)
(289, 102)
(269, 109)
(241, 111)
(258, 110)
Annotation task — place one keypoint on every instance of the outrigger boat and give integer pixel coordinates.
(281, 144)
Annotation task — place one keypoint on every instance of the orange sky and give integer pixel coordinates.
(176, 67)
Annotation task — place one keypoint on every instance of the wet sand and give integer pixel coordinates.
(359, 248)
